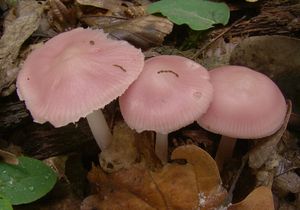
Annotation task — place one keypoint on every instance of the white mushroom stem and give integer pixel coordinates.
(99, 128)
(225, 150)
(161, 147)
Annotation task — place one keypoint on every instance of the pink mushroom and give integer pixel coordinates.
(246, 104)
(74, 75)
(171, 92)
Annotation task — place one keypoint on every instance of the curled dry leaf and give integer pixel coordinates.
(144, 32)
(174, 186)
(15, 33)
(267, 146)
(178, 186)
(8, 157)
(139, 181)
(206, 170)
(122, 151)
(116, 200)
(128, 147)
(260, 198)
(61, 17)
(211, 192)
(112, 5)
(288, 182)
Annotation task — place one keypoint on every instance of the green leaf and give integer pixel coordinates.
(26, 182)
(198, 14)
(5, 204)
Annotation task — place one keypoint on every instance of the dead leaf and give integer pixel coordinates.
(206, 170)
(26, 22)
(259, 199)
(128, 147)
(211, 192)
(143, 32)
(116, 200)
(287, 182)
(112, 5)
(138, 180)
(58, 164)
(217, 54)
(61, 17)
(178, 186)
(267, 146)
(122, 151)
(8, 157)
(174, 186)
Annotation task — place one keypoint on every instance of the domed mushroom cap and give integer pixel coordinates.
(75, 73)
(246, 104)
(171, 92)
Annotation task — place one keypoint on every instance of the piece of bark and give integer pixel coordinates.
(12, 114)
(43, 141)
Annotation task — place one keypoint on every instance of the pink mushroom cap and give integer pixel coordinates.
(75, 73)
(246, 104)
(171, 92)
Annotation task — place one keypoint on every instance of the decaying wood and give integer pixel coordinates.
(12, 114)
(43, 141)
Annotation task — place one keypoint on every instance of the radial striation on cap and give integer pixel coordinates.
(246, 104)
(75, 73)
(171, 92)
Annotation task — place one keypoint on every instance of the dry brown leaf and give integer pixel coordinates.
(112, 5)
(143, 32)
(116, 200)
(287, 182)
(8, 157)
(206, 170)
(122, 151)
(15, 33)
(178, 186)
(267, 146)
(260, 198)
(174, 186)
(211, 193)
(128, 147)
(138, 181)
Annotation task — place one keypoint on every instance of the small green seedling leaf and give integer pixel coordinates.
(198, 14)
(26, 182)
(5, 204)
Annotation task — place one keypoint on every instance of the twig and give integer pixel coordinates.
(236, 178)
(199, 51)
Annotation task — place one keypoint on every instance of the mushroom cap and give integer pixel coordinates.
(75, 73)
(246, 104)
(171, 92)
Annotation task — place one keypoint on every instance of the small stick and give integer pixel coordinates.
(196, 55)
